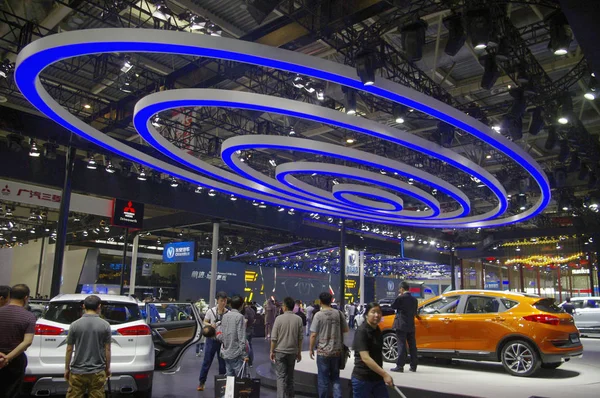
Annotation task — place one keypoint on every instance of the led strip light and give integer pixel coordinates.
(41, 53)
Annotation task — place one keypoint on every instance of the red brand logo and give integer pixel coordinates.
(129, 208)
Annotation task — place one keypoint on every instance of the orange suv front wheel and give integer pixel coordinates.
(520, 358)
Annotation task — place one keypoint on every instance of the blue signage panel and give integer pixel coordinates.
(179, 252)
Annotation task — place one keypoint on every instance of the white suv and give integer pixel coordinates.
(137, 348)
(587, 313)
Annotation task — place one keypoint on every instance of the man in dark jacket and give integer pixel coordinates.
(404, 324)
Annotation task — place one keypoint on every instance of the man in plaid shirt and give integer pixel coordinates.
(233, 337)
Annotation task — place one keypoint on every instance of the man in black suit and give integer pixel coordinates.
(404, 324)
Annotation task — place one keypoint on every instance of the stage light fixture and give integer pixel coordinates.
(212, 192)
(127, 65)
(156, 122)
(560, 33)
(292, 131)
(6, 67)
(298, 81)
(350, 140)
(232, 197)
(456, 34)
(503, 52)
(173, 182)
(479, 27)
(412, 37)
(198, 189)
(537, 121)
(399, 113)
(34, 151)
(563, 154)
(162, 12)
(110, 168)
(213, 30)
(350, 101)
(365, 67)
(551, 139)
(91, 164)
(142, 175)
(262, 205)
(320, 94)
(565, 111)
(514, 126)
(310, 87)
(491, 73)
(592, 88)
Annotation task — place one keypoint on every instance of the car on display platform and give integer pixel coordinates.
(137, 348)
(587, 314)
(524, 332)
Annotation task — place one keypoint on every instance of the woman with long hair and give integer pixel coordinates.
(270, 314)
(368, 377)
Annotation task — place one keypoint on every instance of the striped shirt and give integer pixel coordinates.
(233, 335)
(16, 323)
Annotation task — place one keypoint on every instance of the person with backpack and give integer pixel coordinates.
(213, 317)
(327, 328)
(300, 312)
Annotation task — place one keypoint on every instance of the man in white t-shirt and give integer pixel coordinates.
(213, 317)
(351, 311)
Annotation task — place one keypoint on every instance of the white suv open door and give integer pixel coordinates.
(175, 327)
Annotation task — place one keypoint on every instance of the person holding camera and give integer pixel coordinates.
(213, 317)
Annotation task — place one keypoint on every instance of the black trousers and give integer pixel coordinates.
(11, 377)
(405, 338)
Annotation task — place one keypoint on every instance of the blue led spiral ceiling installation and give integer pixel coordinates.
(378, 201)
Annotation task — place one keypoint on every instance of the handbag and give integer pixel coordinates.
(241, 386)
(345, 349)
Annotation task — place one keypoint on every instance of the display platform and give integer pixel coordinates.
(577, 378)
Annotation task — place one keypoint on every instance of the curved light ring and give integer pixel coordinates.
(382, 200)
(41, 53)
(285, 174)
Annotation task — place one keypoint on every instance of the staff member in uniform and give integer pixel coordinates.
(368, 377)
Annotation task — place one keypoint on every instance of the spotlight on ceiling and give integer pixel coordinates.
(34, 151)
(173, 182)
(320, 94)
(350, 101)
(412, 37)
(232, 197)
(156, 122)
(365, 66)
(213, 30)
(479, 27)
(91, 164)
(162, 12)
(298, 81)
(212, 192)
(350, 140)
(565, 110)
(127, 64)
(142, 175)
(560, 33)
(456, 34)
(292, 131)
(537, 121)
(198, 189)
(592, 88)
(6, 67)
(399, 113)
(491, 73)
(109, 167)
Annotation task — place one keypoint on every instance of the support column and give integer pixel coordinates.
(539, 281)
(591, 265)
(361, 278)
(342, 300)
(509, 271)
(482, 275)
(214, 265)
(40, 266)
(521, 278)
(559, 284)
(462, 274)
(452, 270)
(133, 267)
(124, 260)
(61, 230)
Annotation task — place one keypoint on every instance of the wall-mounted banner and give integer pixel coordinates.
(179, 252)
(354, 261)
(127, 214)
(13, 191)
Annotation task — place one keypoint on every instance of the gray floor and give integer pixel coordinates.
(469, 378)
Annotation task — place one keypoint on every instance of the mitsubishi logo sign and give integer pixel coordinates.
(127, 214)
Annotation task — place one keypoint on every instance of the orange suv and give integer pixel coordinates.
(524, 332)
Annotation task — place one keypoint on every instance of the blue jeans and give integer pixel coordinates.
(233, 366)
(368, 389)
(329, 372)
(250, 351)
(211, 348)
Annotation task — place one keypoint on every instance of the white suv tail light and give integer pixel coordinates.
(137, 330)
(47, 330)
